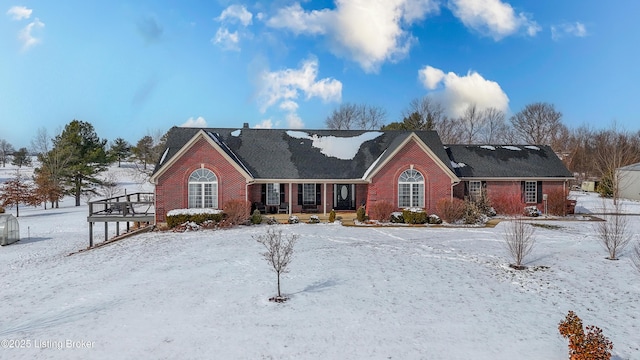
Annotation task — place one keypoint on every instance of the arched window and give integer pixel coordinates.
(203, 189)
(411, 189)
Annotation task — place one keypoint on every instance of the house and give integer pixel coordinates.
(320, 170)
(629, 183)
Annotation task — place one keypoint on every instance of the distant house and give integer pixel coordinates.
(320, 170)
(629, 186)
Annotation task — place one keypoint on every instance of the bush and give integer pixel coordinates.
(434, 219)
(293, 219)
(178, 219)
(450, 210)
(415, 216)
(381, 211)
(236, 211)
(557, 202)
(361, 214)
(332, 216)
(314, 219)
(397, 218)
(590, 346)
(1, 210)
(256, 217)
(510, 204)
(472, 213)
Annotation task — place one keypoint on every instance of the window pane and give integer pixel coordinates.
(475, 190)
(530, 192)
(203, 189)
(309, 194)
(273, 194)
(195, 196)
(404, 195)
(417, 195)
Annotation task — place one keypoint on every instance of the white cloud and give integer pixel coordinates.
(367, 32)
(197, 122)
(492, 18)
(458, 92)
(26, 35)
(227, 40)
(236, 13)
(568, 29)
(19, 12)
(284, 87)
(264, 124)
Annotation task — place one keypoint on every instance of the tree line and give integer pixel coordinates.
(587, 152)
(70, 163)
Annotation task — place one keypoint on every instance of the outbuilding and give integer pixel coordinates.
(629, 186)
(9, 229)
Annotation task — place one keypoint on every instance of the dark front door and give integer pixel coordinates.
(344, 197)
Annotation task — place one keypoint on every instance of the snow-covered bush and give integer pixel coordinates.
(434, 219)
(198, 216)
(293, 219)
(415, 216)
(314, 219)
(473, 214)
(397, 218)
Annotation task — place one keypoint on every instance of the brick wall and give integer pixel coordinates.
(384, 185)
(172, 190)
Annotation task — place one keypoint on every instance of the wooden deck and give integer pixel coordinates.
(131, 208)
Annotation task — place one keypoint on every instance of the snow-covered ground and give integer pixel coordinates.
(356, 292)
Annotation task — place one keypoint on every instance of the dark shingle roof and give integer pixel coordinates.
(290, 154)
(506, 161)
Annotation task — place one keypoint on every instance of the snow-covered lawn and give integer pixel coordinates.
(356, 293)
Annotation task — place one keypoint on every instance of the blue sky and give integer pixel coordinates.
(133, 68)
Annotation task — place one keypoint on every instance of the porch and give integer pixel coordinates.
(132, 208)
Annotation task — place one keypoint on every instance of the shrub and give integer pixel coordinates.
(381, 211)
(361, 214)
(590, 346)
(484, 204)
(509, 203)
(450, 210)
(293, 219)
(415, 216)
(397, 218)
(178, 219)
(434, 219)
(332, 216)
(314, 219)
(256, 217)
(1, 210)
(472, 213)
(557, 202)
(236, 211)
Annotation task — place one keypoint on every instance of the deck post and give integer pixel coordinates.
(90, 234)
(106, 231)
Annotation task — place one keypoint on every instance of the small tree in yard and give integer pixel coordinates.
(519, 240)
(17, 191)
(278, 255)
(614, 232)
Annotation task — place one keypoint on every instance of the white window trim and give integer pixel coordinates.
(529, 192)
(475, 189)
(306, 194)
(273, 194)
(205, 177)
(416, 179)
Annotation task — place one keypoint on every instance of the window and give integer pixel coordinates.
(411, 189)
(530, 192)
(203, 189)
(308, 194)
(273, 194)
(475, 190)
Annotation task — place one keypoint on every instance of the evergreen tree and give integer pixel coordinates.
(120, 150)
(86, 157)
(21, 158)
(144, 150)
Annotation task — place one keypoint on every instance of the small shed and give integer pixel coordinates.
(629, 186)
(9, 229)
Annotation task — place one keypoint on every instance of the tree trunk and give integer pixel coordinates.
(78, 184)
(279, 285)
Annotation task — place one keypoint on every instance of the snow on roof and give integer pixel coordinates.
(488, 147)
(236, 133)
(531, 147)
(164, 155)
(373, 166)
(456, 165)
(509, 147)
(344, 148)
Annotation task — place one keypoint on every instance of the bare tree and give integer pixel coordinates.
(424, 113)
(537, 123)
(495, 128)
(613, 233)
(349, 116)
(449, 130)
(635, 256)
(520, 241)
(279, 253)
(109, 187)
(6, 150)
(471, 124)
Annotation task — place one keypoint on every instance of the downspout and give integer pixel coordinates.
(290, 201)
(324, 200)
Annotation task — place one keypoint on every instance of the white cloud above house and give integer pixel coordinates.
(28, 34)
(195, 122)
(576, 29)
(458, 92)
(367, 32)
(19, 12)
(283, 89)
(493, 18)
(238, 18)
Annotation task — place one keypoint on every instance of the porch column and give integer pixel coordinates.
(324, 200)
(290, 201)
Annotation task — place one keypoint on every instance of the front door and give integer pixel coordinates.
(344, 197)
